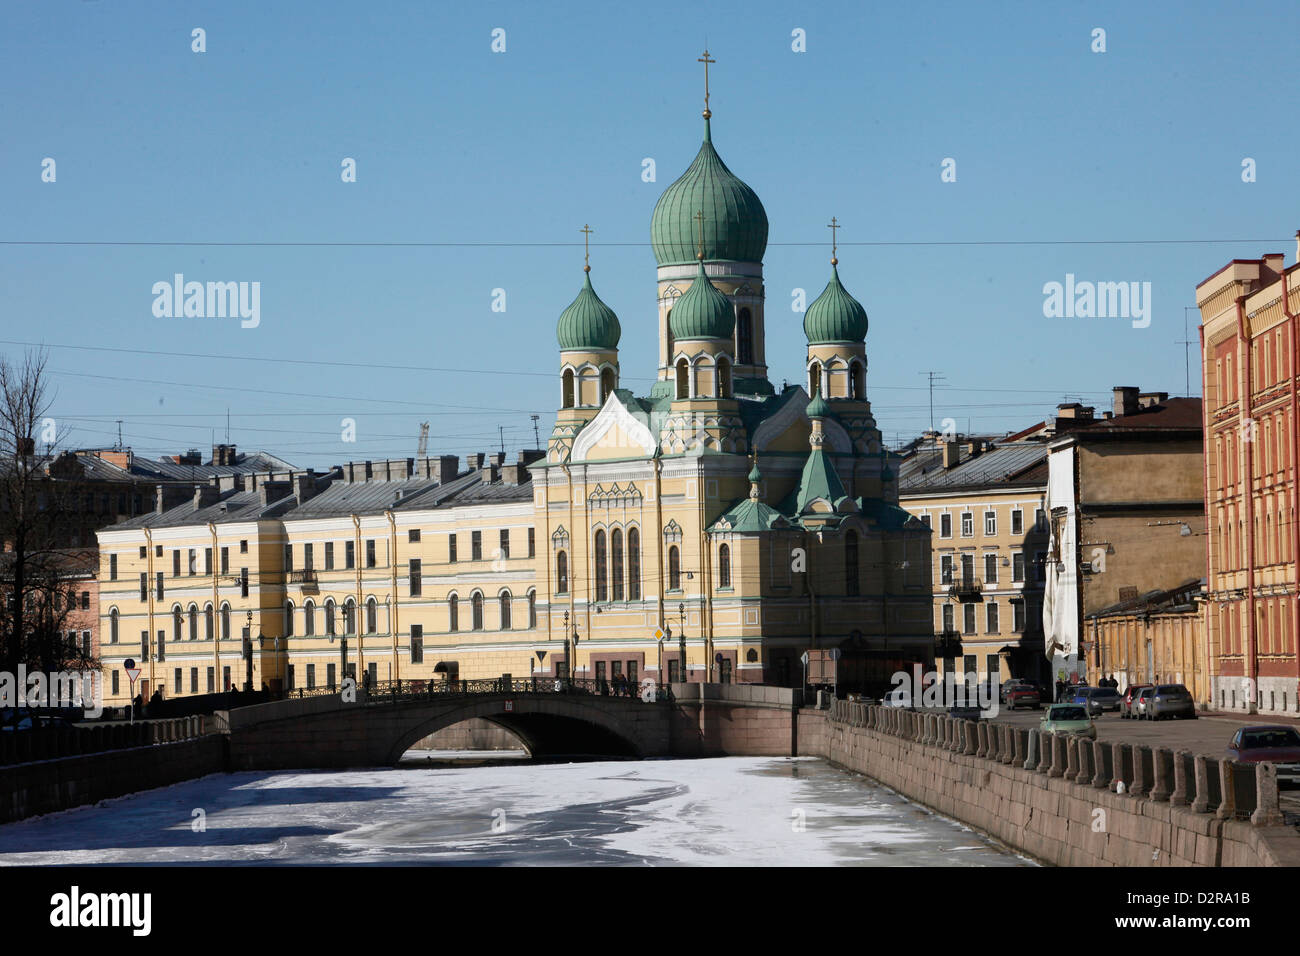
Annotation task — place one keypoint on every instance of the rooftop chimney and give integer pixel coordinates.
(205, 495)
(1147, 399)
(475, 461)
(223, 455)
(1126, 400)
(305, 486)
(497, 458)
(516, 474)
(270, 492)
(491, 473)
(951, 454)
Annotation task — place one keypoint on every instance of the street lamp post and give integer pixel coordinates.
(681, 637)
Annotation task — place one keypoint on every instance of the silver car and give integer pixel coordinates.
(1142, 703)
(1170, 700)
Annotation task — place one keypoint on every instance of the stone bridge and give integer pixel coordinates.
(698, 720)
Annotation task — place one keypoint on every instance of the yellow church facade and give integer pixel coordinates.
(714, 529)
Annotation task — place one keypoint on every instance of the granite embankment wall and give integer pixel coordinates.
(165, 755)
(1063, 800)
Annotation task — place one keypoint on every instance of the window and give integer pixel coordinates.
(207, 560)
(476, 611)
(177, 623)
(990, 524)
(243, 546)
(532, 609)
(208, 632)
(143, 552)
(947, 618)
(288, 557)
(413, 535)
(532, 542)
(372, 616)
(505, 542)
(925, 520)
(1018, 616)
(288, 676)
(162, 645)
(724, 566)
(744, 337)
(194, 680)
(309, 618)
(945, 525)
(177, 680)
(851, 564)
(225, 622)
(288, 619)
(329, 615)
(724, 378)
(329, 555)
(1018, 566)
(967, 525)
(144, 645)
(112, 626)
(225, 560)
(112, 567)
(968, 618)
(616, 562)
(990, 568)
(370, 552)
(566, 397)
(453, 613)
(158, 551)
(451, 548)
(311, 676)
(674, 569)
(991, 617)
(243, 582)
(602, 572)
(1040, 520)
(331, 674)
(945, 569)
(674, 670)
(683, 379)
(633, 564)
(309, 557)
(1040, 566)
(562, 573)
(1017, 521)
(349, 555)
(116, 686)
(857, 381)
(349, 616)
(416, 580)
(417, 643)
(176, 564)
(504, 601)
(144, 586)
(476, 546)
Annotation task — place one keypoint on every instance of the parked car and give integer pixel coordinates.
(1129, 699)
(1098, 700)
(1022, 695)
(1171, 700)
(1068, 719)
(1269, 743)
(1009, 685)
(1142, 703)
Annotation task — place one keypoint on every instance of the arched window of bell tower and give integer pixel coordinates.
(744, 337)
(606, 384)
(857, 381)
(683, 379)
(724, 378)
(814, 379)
(567, 396)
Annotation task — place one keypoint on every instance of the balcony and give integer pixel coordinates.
(307, 578)
(966, 589)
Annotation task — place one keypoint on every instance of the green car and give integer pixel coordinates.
(1068, 719)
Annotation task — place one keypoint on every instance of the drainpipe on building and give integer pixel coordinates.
(1211, 603)
(1244, 410)
(152, 593)
(393, 620)
(573, 567)
(216, 609)
(1295, 479)
(358, 610)
(659, 544)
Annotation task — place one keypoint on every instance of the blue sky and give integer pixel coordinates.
(491, 163)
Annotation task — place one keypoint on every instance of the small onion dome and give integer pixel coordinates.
(588, 324)
(818, 408)
(835, 316)
(735, 223)
(755, 476)
(702, 312)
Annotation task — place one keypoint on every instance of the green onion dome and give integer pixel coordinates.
(702, 312)
(818, 408)
(755, 476)
(835, 316)
(588, 324)
(735, 223)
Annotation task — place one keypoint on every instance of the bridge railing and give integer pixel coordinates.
(379, 691)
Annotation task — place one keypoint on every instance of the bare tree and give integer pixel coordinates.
(37, 514)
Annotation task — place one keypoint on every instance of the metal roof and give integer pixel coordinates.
(1012, 464)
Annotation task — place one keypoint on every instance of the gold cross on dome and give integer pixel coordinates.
(586, 247)
(706, 60)
(834, 227)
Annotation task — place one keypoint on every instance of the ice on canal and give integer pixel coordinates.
(749, 811)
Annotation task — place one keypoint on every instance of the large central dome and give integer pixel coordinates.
(735, 224)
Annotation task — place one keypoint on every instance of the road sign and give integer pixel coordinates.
(129, 663)
(659, 633)
(510, 706)
(132, 674)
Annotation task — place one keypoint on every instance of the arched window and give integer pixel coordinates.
(476, 611)
(633, 564)
(504, 600)
(606, 384)
(724, 566)
(309, 618)
(616, 562)
(567, 396)
(349, 616)
(724, 378)
(668, 325)
(562, 573)
(176, 623)
(372, 616)
(532, 609)
(112, 626)
(288, 619)
(602, 573)
(814, 379)
(453, 612)
(858, 381)
(674, 569)
(744, 337)
(851, 564)
(194, 622)
(683, 379)
(207, 623)
(329, 615)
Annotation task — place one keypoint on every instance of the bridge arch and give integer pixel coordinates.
(546, 726)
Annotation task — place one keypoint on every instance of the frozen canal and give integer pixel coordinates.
(754, 811)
